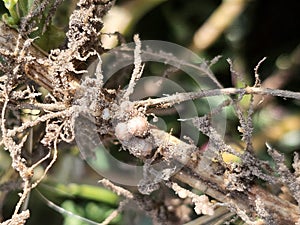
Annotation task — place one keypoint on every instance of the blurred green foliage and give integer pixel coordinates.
(13, 11)
(16, 9)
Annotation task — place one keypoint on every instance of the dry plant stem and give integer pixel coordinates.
(282, 211)
(18, 219)
(48, 166)
(202, 185)
(221, 214)
(213, 185)
(39, 120)
(37, 70)
(280, 77)
(59, 106)
(219, 21)
(180, 97)
(9, 39)
(114, 213)
(117, 189)
(17, 162)
(138, 68)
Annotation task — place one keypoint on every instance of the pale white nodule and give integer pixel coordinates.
(106, 114)
(121, 132)
(138, 126)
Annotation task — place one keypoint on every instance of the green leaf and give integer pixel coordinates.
(88, 192)
(13, 18)
(9, 4)
(10, 20)
(25, 6)
(51, 39)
